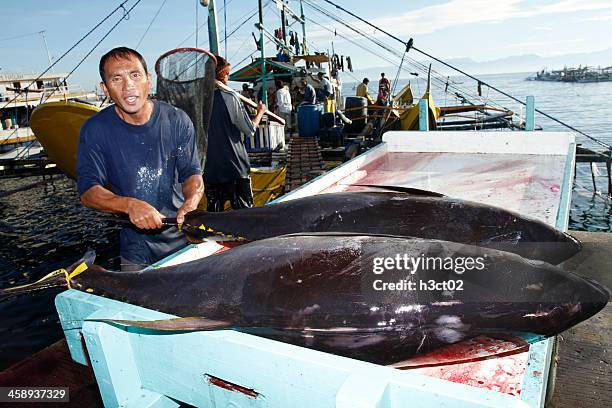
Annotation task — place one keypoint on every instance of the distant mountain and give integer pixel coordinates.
(514, 63)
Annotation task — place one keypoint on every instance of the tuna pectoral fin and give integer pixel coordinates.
(407, 190)
(476, 349)
(178, 324)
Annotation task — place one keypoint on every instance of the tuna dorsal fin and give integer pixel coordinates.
(407, 190)
(176, 324)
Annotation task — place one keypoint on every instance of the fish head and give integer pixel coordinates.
(552, 300)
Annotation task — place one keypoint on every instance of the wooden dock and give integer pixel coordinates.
(584, 372)
(53, 367)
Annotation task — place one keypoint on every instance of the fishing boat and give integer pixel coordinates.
(581, 74)
(20, 94)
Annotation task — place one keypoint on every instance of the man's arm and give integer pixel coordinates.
(261, 109)
(193, 189)
(141, 214)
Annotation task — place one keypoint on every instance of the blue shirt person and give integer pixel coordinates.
(138, 157)
(310, 97)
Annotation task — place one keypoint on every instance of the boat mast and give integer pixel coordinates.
(213, 35)
(46, 47)
(283, 28)
(304, 46)
(264, 80)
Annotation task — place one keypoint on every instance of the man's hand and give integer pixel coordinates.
(261, 108)
(188, 206)
(143, 215)
(193, 189)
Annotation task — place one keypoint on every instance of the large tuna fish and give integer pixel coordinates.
(394, 213)
(332, 292)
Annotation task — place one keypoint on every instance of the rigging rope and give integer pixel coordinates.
(150, 24)
(120, 6)
(124, 17)
(201, 26)
(470, 76)
(19, 36)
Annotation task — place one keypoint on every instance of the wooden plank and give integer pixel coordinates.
(584, 372)
(53, 367)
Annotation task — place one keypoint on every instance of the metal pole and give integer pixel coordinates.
(46, 47)
(213, 35)
(530, 113)
(264, 79)
(304, 46)
(283, 24)
(225, 24)
(424, 115)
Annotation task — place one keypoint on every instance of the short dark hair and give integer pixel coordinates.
(120, 53)
(221, 62)
(382, 74)
(365, 80)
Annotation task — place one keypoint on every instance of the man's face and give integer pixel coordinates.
(127, 84)
(223, 74)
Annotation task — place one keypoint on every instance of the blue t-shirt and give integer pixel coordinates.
(148, 162)
(310, 97)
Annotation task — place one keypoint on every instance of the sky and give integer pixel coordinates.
(481, 30)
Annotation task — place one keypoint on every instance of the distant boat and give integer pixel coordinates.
(19, 95)
(580, 75)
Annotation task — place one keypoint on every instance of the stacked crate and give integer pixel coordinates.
(304, 162)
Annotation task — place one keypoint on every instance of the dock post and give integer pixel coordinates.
(530, 114)
(609, 170)
(423, 115)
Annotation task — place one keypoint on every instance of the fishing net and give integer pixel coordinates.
(186, 79)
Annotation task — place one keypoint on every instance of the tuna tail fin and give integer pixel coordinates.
(407, 190)
(58, 278)
(180, 324)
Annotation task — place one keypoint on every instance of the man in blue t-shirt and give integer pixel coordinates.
(138, 157)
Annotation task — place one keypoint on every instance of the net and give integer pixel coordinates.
(186, 79)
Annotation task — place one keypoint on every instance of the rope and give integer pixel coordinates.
(19, 36)
(82, 267)
(151, 23)
(201, 26)
(471, 76)
(124, 17)
(120, 6)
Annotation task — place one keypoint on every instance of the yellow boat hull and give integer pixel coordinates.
(57, 125)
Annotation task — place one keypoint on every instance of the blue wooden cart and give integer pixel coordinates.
(528, 172)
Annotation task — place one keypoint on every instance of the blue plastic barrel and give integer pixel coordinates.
(309, 120)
